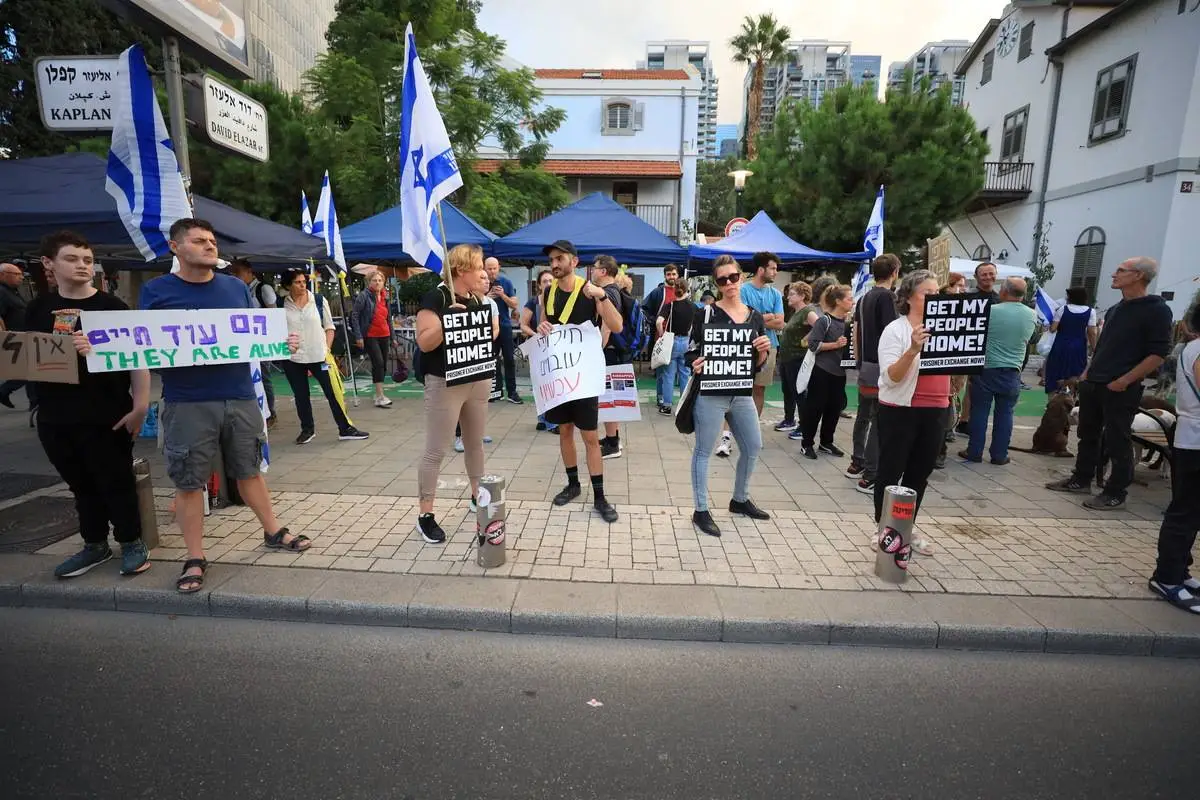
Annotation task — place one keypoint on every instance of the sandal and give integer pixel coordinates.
(190, 584)
(275, 541)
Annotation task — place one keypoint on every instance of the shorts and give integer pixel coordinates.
(195, 434)
(766, 375)
(583, 414)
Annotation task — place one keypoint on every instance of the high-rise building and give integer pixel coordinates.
(812, 68)
(938, 61)
(678, 54)
(285, 37)
(864, 69)
(727, 140)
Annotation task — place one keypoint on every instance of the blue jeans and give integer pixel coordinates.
(674, 374)
(742, 415)
(1004, 387)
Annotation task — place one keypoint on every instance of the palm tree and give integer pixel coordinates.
(761, 42)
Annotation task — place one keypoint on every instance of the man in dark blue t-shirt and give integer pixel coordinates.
(505, 295)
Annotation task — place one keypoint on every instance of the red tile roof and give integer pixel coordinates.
(615, 74)
(597, 168)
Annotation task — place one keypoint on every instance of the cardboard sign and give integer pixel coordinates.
(128, 340)
(470, 349)
(27, 356)
(729, 358)
(566, 364)
(619, 403)
(958, 327)
(938, 257)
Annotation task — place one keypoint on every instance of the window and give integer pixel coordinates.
(1110, 108)
(1012, 142)
(620, 116)
(989, 60)
(982, 253)
(1089, 257)
(1025, 48)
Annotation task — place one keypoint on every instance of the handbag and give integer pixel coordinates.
(806, 368)
(685, 413)
(1045, 344)
(660, 356)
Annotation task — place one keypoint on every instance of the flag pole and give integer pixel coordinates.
(346, 332)
(445, 247)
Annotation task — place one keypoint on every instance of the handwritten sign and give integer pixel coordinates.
(470, 349)
(566, 364)
(728, 352)
(938, 257)
(128, 340)
(75, 93)
(41, 357)
(619, 403)
(958, 326)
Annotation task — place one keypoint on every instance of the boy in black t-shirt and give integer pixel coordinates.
(87, 429)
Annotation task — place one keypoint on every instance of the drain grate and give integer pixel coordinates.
(28, 527)
(16, 484)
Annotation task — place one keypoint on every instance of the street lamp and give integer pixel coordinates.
(739, 187)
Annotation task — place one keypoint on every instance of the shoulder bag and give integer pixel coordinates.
(685, 414)
(665, 346)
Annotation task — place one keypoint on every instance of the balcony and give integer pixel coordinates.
(1004, 182)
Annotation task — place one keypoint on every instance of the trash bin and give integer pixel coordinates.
(893, 549)
(145, 497)
(490, 522)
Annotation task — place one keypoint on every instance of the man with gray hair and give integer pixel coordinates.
(1011, 324)
(1135, 339)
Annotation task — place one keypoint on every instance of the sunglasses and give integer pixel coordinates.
(725, 280)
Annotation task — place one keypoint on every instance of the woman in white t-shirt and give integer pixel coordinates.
(1172, 579)
(1074, 330)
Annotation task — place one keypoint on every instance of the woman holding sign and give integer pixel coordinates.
(912, 407)
(729, 346)
(456, 331)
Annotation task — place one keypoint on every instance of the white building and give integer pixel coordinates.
(939, 62)
(1093, 117)
(630, 134)
(678, 54)
(812, 68)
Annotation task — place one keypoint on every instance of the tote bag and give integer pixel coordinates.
(685, 413)
(660, 356)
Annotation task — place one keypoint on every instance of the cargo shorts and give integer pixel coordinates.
(195, 434)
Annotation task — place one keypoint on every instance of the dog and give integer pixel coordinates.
(1050, 438)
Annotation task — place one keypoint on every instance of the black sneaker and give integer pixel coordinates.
(1179, 595)
(6, 401)
(1104, 502)
(807, 451)
(963, 429)
(704, 522)
(1070, 485)
(352, 434)
(515, 400)
(306, 436)
(429, 529)
(569, 493)
(541, 426)
(607, 512)
(748, 509)
(665, 410)
(92, 555)
(610, 449)
(831, 449)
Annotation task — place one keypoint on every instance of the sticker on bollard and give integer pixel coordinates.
(490, 520)
(894, 551)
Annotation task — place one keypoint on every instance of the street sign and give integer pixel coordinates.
(228, 118)
(75, 93)
(736, 224)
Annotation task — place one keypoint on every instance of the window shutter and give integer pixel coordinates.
(603, 115)
(638, 113)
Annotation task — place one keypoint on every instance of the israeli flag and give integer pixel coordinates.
(1045, 306)
(143, 175)
(873, 244)
(325, 225)
(306, 220)
(428, 171)
(257, 376)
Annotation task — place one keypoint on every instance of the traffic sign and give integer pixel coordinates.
(736, 224)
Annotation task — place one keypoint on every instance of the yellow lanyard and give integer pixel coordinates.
(566, 315)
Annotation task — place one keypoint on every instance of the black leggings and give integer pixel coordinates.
(826, 397)
(377, 348)
(909, 440)
(791, 371)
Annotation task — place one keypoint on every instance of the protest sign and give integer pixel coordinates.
(470, 348)
(958, 326)
(619, 403)
(848, 360)
(45, 357)
(729, 358)
(128, 340)
(566, 364)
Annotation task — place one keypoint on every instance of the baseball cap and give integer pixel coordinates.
(563, 245)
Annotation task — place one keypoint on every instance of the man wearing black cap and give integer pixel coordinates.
(573, 300)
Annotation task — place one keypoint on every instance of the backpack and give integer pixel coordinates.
(258, 295)
(634, 333)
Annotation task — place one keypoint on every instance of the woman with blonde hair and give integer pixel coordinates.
(372, 327)
(464, 282)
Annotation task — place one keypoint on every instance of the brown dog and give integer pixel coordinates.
(1050, 438)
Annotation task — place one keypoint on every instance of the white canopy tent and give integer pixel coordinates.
(966, 267)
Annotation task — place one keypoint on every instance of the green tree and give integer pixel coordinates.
(714, 191)
(820, 167)
(505, 200)
(760, 43)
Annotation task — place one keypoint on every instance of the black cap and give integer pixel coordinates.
(561, 244)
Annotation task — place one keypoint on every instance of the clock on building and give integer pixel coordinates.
(1006, 40)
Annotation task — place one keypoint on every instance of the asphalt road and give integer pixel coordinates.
(104, 705)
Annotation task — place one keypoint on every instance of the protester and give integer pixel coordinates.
(210, 411)
(985, 283)
(371, 322)
(676, 317)
(616, 350)
(956, 283)
(12, 318)
(1074, 329)
(707, 299)
(502, 291)
(262, 295)
(826, 396)
(792, 347)
(713, 407)
(531, 317)
(87, 429)
(465, 282)
(574, 300)
(308, 317)
(1135, 339)
(1177, 535)
(657, 300)
(874, 311)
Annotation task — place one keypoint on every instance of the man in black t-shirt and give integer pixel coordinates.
(573, 300)
(87, 429)
(873, 312)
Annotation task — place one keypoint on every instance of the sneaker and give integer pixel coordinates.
(515, 400)
(134, 558)
(1070, 485)
(965, 455)
(796, 435)
(963, 429)
(569, 493)
(705, 524)
(940, 461)
(611, 449)
(429, 529)
(458, 445)
(665, 410)
(950, 437)
(1001, 462)
(1104, 502)
(1179, 595)
(352, 434)
(92, 555)
(474, 505)
(831, 449)
(382, 402)
(726, 446)
(607, 512)
(865, 486)
(487, 440)
(808, 452)
(6, 401)
(785, 426)
(855, 470)
(541, 426)
(306, 436)
(748, 509)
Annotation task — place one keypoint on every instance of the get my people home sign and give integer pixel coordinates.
(958, 328)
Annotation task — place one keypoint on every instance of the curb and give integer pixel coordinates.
(625, 611)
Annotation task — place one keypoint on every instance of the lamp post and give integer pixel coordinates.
(739, 188)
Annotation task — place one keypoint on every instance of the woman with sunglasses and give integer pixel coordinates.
(714, 407)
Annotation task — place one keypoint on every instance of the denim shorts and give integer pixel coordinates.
(196, 434)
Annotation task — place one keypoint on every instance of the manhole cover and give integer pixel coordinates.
(28, 527)
(16, 484)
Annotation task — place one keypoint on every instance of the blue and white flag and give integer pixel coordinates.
(257, 376)
(143, 175)
(325, 225)
(428, 171)
(873, 244)
(1045, 306)
(306, 220)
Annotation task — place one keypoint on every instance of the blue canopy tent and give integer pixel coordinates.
(595, 224)
(378, 237)
(762, 234)
(44, 195)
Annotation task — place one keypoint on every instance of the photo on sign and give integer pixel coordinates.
(619, 403)
(216, 27)
(958, 329)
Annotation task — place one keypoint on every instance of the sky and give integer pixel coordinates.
(613, 33)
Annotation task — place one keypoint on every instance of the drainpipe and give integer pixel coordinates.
(1057, 63)
(679, 184)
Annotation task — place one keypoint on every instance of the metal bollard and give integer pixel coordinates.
(145, 498)
(894, 546)
(489, 522)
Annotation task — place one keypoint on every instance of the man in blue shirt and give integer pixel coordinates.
(505, 295)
